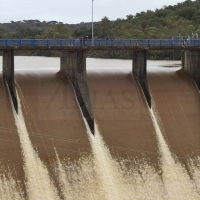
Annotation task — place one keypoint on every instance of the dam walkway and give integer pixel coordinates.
(99, 44)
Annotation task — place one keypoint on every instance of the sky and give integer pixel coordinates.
(75, 11)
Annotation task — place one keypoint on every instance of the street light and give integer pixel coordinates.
(92, 26)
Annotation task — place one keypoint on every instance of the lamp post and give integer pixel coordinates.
(92, 26)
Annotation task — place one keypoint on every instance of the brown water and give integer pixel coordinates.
(177, 102)
(11, 158)
(135, 154)
(53, 118)
(120, 111)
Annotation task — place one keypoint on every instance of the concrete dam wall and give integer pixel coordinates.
(132, 154)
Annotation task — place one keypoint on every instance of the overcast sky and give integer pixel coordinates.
(75, 11)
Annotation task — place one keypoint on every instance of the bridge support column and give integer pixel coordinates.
(73, 64)
(191, 64)
(139, 68)
(8, 75)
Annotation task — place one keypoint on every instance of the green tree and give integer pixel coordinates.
(82, 32)
(58, 31)
(3, 33)
(104, 28)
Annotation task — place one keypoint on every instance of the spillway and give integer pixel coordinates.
(177, 101)
(38, 182)
(175, 177)
(52, 115)
(12, 174)
(120, 110)
(136, 153)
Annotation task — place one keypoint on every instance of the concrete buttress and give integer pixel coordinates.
(8, 75)
(73, 64)
(191, 64)
(139, 69)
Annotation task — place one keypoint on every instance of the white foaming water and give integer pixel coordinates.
(62, 178)
(194, 167)
(9, 188)
(108, 174)
(141, 180)
(177, 183)
(78, 180)
(38, 182)
(103, 178)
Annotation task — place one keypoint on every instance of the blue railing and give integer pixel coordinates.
(99, 42)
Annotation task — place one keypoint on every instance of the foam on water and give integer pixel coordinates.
(101, 177)
(176, 180)
(78, 180)
(138, 181)
(38, 182)
(194, 167)
(106, 169)
(9, 187)
(62, 179)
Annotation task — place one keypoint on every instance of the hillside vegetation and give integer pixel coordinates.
(181, 20)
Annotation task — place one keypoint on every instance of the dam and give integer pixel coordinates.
(145, 120)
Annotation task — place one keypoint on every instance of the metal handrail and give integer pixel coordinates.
(98, 42)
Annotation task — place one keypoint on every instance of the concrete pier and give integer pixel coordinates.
(191, 63)
(8, 75)
(139, 69)
(73, 64)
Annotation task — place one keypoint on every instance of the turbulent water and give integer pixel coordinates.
(48, 151)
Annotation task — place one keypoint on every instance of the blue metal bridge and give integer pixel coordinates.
(99, 44)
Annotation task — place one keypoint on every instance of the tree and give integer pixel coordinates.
(3, 33)
(82, 32)
(104, 28)
(27, 33)
(58, 31)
